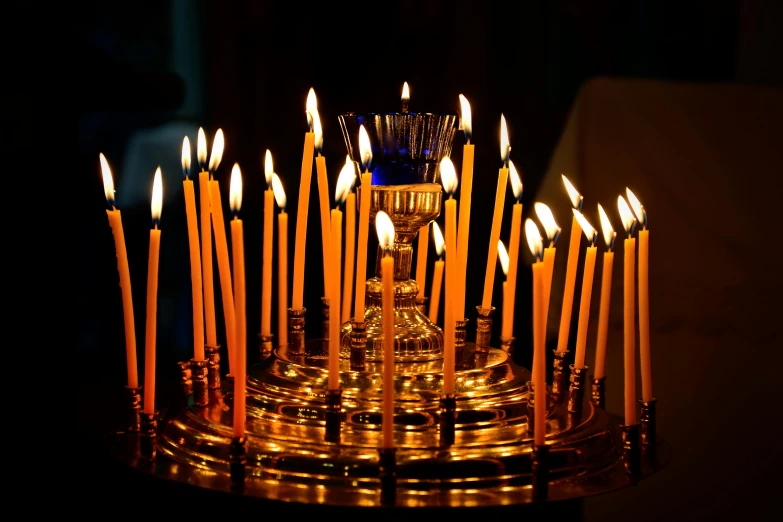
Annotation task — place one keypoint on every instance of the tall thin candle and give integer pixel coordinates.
(421, 259)
(343, 188)
(364, 223)
(302, 206)
(385, 230)
(195, 255)
(323, 199)
(448, 177)
(206, 241)
(437, 275)
(644, 295)
(606, 294)
(282, 262)
(350, 242)
(497, 218)
(238, 254)
(629, 328)
(539, 358)
(507, 326)
(587, 290)
(463, 229)
(571, 266)
(552, 230)
(266, 256)
(152, 296)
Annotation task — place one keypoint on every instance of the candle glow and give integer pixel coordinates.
(571, 268)
(201, 149)
(587, 288)
(240, 332)
(282, 261)
(385, 230)
(311, 107)
(505, 146)
(406, 96)
(535, 243)
(503, 257)
(606, 293)
(437, 276)
(573, 194)
(217, 151)
(269, 168)
(629, 326)
(644, 296)
(365, 149)
(186, 154)
(152, 296)
(448, 178)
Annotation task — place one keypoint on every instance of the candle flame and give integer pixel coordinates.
(515, 180)
(505, 146)
(186, 156)
(311, 106)
(547, 219)
(385, 230)
(157, 196)
(466, 121)
(606, 227)
(108, 182)
(217, 151)
(437, 236)
(318, 131)
(235, 189)
(269, 168)
(365, 150)
(637, 207)
(201, 149)
(626, 216)
(406, 93)
(573, 194)
(503, 257)
(344, 182)
(587, 228)
(448, 176)
(277, 188)
(534, 241)
(354, 166)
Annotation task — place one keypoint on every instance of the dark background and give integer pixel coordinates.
(151, 72)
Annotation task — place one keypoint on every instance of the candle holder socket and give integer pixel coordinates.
(631, 450)
(484, 328)
(133, 419)
(507, 345)
(334, 401)
(531, 407)
(228, 389)
(237, 459)
(460, 335)
(296, 331)
(213, 366)
(648, 419)
(200, 382)
(576, 391)
(387, 472)
(325, 321)
(598, 392)
(540, 472)
(358, 345)
(265, 345)
(559, 375)
(421, 305)
(185, 378)
(448, 419)
(149, 434)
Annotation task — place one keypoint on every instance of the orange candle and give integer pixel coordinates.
(505, 299)
(195, 255)
(644, 296)
(152, 297)
(297, 302)
(238, 255)
(335, 250)
(629, 328)
(587, 290)
(421, 259)
(350, 243)
(606, 294)
(552, 230)
(385, 230)
(224, 271)
(282, 262)
(115, 222)
(507, 327)
(448, 177)
(364, 223)
(539, 358)
(437, 276)
(266, 259)
(497, 218)
(206, 242)
(323, 199)
(463, 229)
(571, 265)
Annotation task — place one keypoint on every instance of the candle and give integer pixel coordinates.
(152, 297)
(406, 96)
(301, 215)
(606, 294)
(323, 198)
(644, 296)
(364, 223)
(421, 259)
(342, 189)
(448, 177)
(195, 255)
(552, 230)
(503, 260)
(282, 262)
(629, 328)
(266, 257)
(507, 326)
(350, 241)
(497, 218)
(539, 358)
(115, 222)
(437, 275)
(385, 229)
(206, 242)
(238, 255)
(587, 289)
(463, 229)
(573, 259)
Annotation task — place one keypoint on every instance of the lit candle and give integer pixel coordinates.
(606, 294)
(364, 223)
(221, 249)
(115, 222)
(437, 275)
(507, 326)
(552, 230)
(421, 259)
(350, 241)
(304, 199)
(406, 96)
(385, 229)
(282, 262)
(266, 257)
(238, 254)
(323, 199)
(539, 358)
(587, 290)
(195, 255)
(573, 260)
(343, 188)
(152, 297)
(644, 296)
(503, 260)
(497, 218)
(629, 328)
(448, 177)
(206, 241)
(463, 229)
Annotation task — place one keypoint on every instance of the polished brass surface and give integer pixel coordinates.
(200, 382)
(540, 470)
(576, 389)
(296, 330)
(484, 328)
(598, 392)
(358, 345)
(631, 450)
(185, 378)
(648, 419)
(265, 345)
(560, 375)
(133, 405)
(213, 372)
(421, 304)
(148, 432)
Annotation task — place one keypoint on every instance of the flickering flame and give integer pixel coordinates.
(466, 121)
(516, 181)
(637, 207)
(505, 146)
(440, 244)
(201, 149)
(587, 228)
(352, 163)
(235, 189)
(344, 183)
(573, 194)
(385, 229)
(606, 227)
(318, 131)
(157, 196)
(365, 150)
(311, 107)
(186, 156)
(108, 182)
(217, 151)
(626, 216)
(533, 236)
(448, 176)
(277, 188)
(503, 257)
(269, 168)
(547, 219)
(406, 93)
